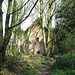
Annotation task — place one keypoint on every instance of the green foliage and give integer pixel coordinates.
(38, 66)
(18, 31)
(46, 29)
(29, 72)
(26, 31)
(65, 40)
(60, 72)
(64, 30)
(13, 48)
(64, 65)
(39, 22)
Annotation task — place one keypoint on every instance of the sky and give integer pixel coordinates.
(4, 16)
(26, 23)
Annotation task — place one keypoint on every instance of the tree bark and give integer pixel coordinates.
(1, 30)
(7, 32)
(42, 20)
(51, 6)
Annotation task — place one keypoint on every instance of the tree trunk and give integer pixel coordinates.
(51, 6)
(7, 32)
(1, 30)
(5, 43)
(42, 20)
(3, 53)
(49, 29)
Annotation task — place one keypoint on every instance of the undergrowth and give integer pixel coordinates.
(64, 65)
(14, 65)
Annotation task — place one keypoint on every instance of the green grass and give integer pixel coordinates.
(24, 66)
(61, 72)
(64, 65)
(36, 61)
(29, 72)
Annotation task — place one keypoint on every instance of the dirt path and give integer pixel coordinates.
(45, 68)
(29, 63)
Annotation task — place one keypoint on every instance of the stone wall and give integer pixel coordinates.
(36, 38)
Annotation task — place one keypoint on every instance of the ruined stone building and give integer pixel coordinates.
(32, 41)
(36, 38)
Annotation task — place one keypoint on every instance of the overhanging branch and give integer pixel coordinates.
(19, 8)
(60, 10)
(24, 18)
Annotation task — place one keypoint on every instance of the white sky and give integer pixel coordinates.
(25, 24)
(4, 16)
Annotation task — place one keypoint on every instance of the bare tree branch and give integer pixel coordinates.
(61, 9)
(24, 18)
(19, 8)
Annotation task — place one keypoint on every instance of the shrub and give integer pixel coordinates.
(65, 65)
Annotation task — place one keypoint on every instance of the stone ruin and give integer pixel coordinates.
(36, 38)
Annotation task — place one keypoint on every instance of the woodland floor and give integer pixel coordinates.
(30, 65)
(38, 65)
(45, 68)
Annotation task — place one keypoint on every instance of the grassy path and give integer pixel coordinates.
(39, 65)
(29, 65)
(45, 68)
